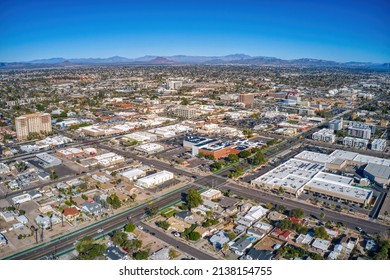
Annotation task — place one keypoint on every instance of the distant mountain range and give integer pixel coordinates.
(233, 59)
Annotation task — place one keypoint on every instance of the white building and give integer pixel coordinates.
(324, 135)
(133, 174)
(379, 145)
(109, 159)
(150, 148)
(175, 85)
(154, 179)
(357, 143)
(21, 198)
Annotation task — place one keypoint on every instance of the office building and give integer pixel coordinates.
(38, 123)
(336, 125)
(248, 99)
(175, 85)
(185, 112)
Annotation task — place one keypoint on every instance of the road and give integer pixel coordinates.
(66, 242)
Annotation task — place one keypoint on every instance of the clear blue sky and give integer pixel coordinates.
(340, 30)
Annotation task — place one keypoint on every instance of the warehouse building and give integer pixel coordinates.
(154, 179)
(150, 148)
(377, 173)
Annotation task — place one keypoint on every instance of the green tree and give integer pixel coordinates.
(133, 245)
(129, 227)
(258, 159)
(233, 158)
(89, 249)
(119, 237)
(114, 201)
(193, 199)
(321, 233)
(194, 236)
(244, 154)
(141, 255)
(184, 101)
(216, 165)
(297, 213)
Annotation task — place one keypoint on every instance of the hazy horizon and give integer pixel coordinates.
(341, 31)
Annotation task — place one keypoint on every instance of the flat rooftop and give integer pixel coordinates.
(315, 157)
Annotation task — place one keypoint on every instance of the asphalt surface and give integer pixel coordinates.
(52, 248)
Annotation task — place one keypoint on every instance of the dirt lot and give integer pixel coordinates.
(267, 243)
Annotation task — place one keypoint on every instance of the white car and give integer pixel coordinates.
(140, 227)
(100, 230)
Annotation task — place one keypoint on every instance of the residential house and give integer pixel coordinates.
(219, 239)
(184, 215)
(161, 254)
(8, 216)
(281, 234)
(255, 254)
(177, 224)
(35, 194)
(92, 208)
(255, 233)
(71, 213)
(240, 245)
(321, 245)
(115, 254)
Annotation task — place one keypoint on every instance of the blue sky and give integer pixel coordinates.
(340, 30)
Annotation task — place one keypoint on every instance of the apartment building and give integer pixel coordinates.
(26, 124)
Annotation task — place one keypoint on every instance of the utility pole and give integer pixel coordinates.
(42, 232)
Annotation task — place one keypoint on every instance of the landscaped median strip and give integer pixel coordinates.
(94, 224)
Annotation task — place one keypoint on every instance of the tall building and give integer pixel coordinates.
(336, 125)
(175, 85)
(185, 112)
(248, 99)
(26, 124)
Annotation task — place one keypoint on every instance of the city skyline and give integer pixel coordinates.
(342, 32)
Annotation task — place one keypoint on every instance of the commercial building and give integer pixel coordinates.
(377, 173)
(70, 153)
(357, 143)
(154, 179)
(46, 161)
(175, 85)
(360, 130)
(21, 198)
(37, 123)
(324, 135)
(133, 174)
(291, 176)
(195, 143)
(379, 145)
(338, 188)
(336, 125)
(211, 194)
(248, 99)
(108, 159)
(150, 148)
(185, 112)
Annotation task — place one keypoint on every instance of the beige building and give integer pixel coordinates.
(26, 124)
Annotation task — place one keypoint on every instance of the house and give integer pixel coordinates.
(114, 253)
(43, 175)
(8, 216)
(219, 239)
(305, 238)
(211, 194)
(281, 234)
(71, 213)
(184, 215)
(203, 231)
(240, 245)
(22, 219)
(177, 224)
(46, 222)
(263, 227)
(255, 233)
(35, 194)
(211, 205)
(226, 202)
(92, 208)
(349, 243)
(161, 254)
(297, 221)
(321, 245)
(255, 254)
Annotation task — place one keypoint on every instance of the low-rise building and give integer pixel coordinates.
(240, 245)
(377, 173)
(154, 179)
(21, 198)
(357, 143)
(211, 194)
(321, 245)
(324, 135)
(219, 239)
(150, 148)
